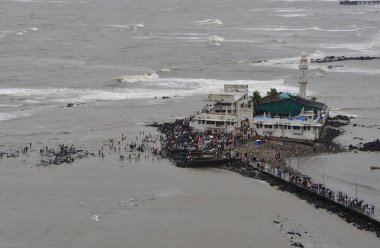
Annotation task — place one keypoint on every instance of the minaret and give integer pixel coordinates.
(303, 80)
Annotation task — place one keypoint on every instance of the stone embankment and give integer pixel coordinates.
(182, 146)
(359, 219)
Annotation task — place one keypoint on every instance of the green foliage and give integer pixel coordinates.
(272, 93)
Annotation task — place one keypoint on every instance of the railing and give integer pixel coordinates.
(287, 173)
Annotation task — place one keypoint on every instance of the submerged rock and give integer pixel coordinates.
(373, 146)
(328, 59)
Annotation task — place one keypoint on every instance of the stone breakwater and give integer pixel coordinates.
(329, 59)
(318, 199)
(189, 148)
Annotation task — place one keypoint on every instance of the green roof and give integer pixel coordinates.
(286, 104)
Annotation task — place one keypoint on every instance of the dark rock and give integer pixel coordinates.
(297, 245)
(328, 135)
(336, 123)
(340, 118)
(329, 59)
(69, 105)
(352, 147)
(373, 146)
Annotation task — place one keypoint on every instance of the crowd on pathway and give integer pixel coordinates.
(180, 137)
(319, 188)
(219, 144)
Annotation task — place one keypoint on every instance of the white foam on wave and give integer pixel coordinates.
(293, 15)
(33, 29)
(215, 40)
(284, 29)
(138, 78)
(289, 10)
(293, 62)
(333, 113)
(144, 89)
(7, 116)
(10, 105)
(210, 22)
(35, 1)
(367, 47)
(241, 41)
(190, 34)
(137, 26)
(121, 26)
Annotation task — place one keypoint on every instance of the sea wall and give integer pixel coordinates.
(359, 219)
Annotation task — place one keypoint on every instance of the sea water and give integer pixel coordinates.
(115, 60)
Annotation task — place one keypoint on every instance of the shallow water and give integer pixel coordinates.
(111, 59)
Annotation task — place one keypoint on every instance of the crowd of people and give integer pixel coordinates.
(180, 138)
(339, 197)
(192, 144)
(146, 145)
(142, 145)
(188, 145)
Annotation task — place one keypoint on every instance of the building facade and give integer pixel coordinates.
(289, 116)
(225, 111)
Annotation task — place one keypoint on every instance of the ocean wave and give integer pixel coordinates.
(210, 22)
(288, 10)
(335, 113)
(371, 46)
(10, 105)
(215, 40)
(121, 26)
(293, 62)
(293, 15)
(138, 78)
(145, 89)
(6, 116)
(284, 29)
(189, 34)
(33, 29)
(137, 26)
(241, 41)
(36, 1)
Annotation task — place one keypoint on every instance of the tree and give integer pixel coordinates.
(272, 93)
(256, 97)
